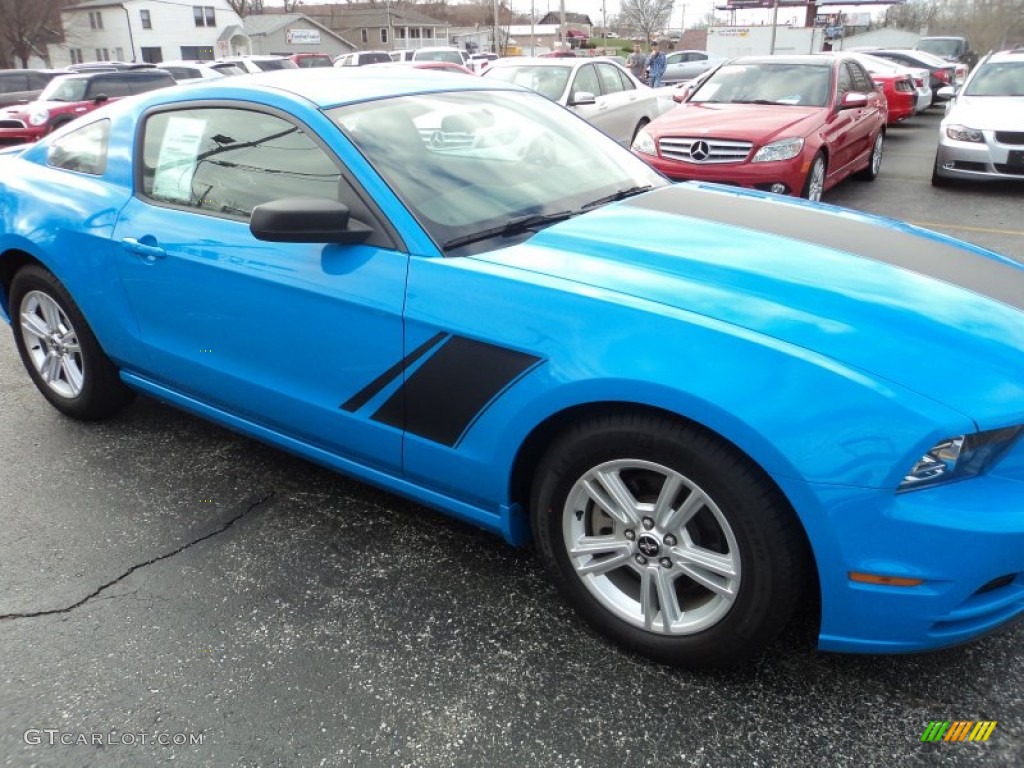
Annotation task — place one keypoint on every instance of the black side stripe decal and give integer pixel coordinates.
(449, 391)
(1002, 281)
(363, 396)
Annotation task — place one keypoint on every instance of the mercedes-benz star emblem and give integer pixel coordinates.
(699, 150)
(648, 545)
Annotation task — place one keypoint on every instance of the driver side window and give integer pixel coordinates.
(586, 81)
(227, 161)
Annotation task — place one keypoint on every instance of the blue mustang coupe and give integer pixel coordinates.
(705, 406)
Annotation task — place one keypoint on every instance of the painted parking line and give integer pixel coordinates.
(965, 228)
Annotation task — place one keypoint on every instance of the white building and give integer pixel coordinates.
(149, 30)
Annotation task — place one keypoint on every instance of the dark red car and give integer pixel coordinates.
(795, 125)
(70, 96)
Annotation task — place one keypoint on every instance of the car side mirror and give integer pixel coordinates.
(100, 98)
(582, 98)
(306, 220)
(854, 101)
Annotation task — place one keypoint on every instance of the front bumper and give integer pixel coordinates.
(988, 161)
(964, 540)
(11, 137)
(791, 173)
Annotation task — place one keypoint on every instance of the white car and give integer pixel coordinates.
(923, 96)
(255, 64)
(980, 138)
(435, 53)
(363, 58)
(598, 90)
(194, 71)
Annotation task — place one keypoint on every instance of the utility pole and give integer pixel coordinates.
(775, 22)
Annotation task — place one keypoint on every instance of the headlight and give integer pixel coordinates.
(38, 117)
(779, 150)
(644, 143)
(963, 133)
(958, 457)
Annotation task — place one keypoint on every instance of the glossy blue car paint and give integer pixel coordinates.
(834, 371)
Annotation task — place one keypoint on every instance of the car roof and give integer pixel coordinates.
(1014, 55)
(328, 87)
(817, 59)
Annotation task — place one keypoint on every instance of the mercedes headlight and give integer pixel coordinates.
(959, 457)
(644, 143)
(779, 150)
(963, 133)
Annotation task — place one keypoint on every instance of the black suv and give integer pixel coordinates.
(23, 84)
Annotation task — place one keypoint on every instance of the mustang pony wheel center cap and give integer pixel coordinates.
(648, 545)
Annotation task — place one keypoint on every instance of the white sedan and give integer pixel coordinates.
(598, 90)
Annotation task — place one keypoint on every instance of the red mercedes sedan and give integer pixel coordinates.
(795, 125)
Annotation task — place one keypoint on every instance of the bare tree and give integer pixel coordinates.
(24, 25)
(648, 17)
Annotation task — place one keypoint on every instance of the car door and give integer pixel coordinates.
(607, 111)
(839, 131)
(867, 119)
(622, 101)
(278, 334)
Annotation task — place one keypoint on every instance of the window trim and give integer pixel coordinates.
(145, 18)
(382, 224)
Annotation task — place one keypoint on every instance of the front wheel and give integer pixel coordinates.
(667, 539)
(814, 185)
(59, 349)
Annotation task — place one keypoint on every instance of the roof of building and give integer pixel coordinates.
(267, 24)
(378, 17)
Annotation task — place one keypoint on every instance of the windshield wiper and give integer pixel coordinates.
(513, 226)
(754, 101)
(622, 194)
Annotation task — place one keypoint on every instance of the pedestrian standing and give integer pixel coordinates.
(656, 65)
(637, 62)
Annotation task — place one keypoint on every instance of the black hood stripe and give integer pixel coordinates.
(999, 280)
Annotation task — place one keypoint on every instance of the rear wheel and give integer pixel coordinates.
(59, 349)
(667, 539)
(875, 163)
(814, 186)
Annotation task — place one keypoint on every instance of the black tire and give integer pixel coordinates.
(809, 192)
(939, 181)
(745, 521)
(870, 173)
(94, 391)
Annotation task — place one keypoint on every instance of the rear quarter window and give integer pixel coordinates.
(83, 150)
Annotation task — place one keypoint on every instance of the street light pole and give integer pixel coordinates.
(775, 22)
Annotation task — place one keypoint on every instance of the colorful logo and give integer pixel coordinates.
(958, 730)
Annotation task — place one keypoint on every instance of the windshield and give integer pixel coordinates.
(1004, 78)
(944, 48)
(763, 83)
(228, 69)
(469, 161)
(545, 80)
(65, 89)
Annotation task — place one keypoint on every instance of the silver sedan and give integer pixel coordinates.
(981, 136)
(598, 90)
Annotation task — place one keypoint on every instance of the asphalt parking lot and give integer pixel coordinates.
(171, 593)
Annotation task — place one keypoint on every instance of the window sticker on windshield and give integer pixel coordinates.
(177, 162)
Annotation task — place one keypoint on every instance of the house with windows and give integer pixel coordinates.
(148, 30)
(382, 27)
(288, 33)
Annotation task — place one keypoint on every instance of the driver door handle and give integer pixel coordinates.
(148, 252)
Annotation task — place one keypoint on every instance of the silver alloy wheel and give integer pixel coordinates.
(52, 344)
(876, 155)
(652, 547)
(816, 181)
